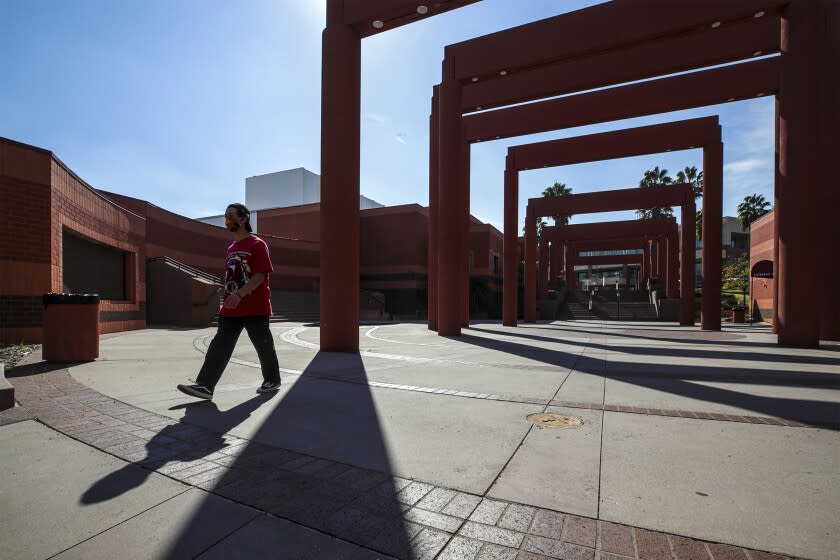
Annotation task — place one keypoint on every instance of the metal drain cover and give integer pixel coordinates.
(551, 420)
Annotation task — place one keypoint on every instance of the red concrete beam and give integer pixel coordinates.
(688, 91)
(363, 14)
(611, 201)
(680, 135)
(621, 23)
(609, 230)
(710, 47)
(616, 244)
(608, 259)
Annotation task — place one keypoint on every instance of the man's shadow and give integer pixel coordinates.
(174, 443)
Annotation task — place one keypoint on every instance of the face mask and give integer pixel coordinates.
(231, 225)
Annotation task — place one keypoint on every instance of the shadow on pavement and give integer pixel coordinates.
(353, 496)
(168, 446)
(672, 378)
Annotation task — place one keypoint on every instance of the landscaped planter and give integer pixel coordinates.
(71, 327)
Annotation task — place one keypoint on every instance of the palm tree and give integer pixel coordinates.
(559, 189)
(691, 176)
(753, 207)
(698, 224)
(653, 178)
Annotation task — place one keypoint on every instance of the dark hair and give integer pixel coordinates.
(243, 212)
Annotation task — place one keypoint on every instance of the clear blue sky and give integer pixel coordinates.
(177, 102)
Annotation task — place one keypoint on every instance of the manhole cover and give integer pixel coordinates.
(550, 420)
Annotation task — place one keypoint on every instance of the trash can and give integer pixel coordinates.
(71, 327)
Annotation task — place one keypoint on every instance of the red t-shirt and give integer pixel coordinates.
(244, 259)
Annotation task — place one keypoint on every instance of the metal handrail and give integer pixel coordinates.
(186, 268)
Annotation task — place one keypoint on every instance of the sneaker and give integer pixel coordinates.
(199, 391)
(268, 387)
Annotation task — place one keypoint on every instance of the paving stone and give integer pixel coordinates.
(209, 476)
(462, 505)
(199, 468)
(494, 535)
(556, 549)
(460, 548)
(413, 493)
(758, 555)
(353, 524)
(433, 519)
(548, 523)
(525, 555)
(496, 552)
(437, 499)
(488, 511)
(611, 556)
(653, 545)
(580, 530)
(361, 479)
(428, 543)
(517, 517)
(395, 538)
(689, 549)
(616, 538)
(726, 552)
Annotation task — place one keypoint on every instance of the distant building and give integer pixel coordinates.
(282, 189)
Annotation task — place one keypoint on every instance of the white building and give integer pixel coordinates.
(281, 189)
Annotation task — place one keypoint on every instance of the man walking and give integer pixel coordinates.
(246, 304)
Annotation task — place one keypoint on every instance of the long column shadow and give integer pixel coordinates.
(820, 413)
(327, 468)
(795, 378)
(711, 340)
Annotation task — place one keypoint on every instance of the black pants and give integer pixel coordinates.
(221, 348)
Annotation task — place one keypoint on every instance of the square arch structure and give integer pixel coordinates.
(608, 33)
(681, 135)
(348, 22)
(627, 234)
(680, 195)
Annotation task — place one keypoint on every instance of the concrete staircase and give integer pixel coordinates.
(634, 306)
(300, 307)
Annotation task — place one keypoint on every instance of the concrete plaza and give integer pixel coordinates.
(707, 445)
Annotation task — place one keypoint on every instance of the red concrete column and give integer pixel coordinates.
(340, 133)
(646, 268)
(778, 179)
(687, 263)
(465, 248)
(451, 215)
(712, 236)
(798, 191)
(511, 258)
(571, 279)
(530, 267)
(828, 127)
(672, 270)
(661, 259)
(554, 268)
(432, 267)
(543, 284)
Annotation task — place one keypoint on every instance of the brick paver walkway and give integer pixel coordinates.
(395, 516)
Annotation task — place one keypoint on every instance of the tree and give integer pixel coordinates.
(690, 175)
(541, 223)
(698, 224)
(736, 274)
(559, 189)
(653, 178)
(753, 207)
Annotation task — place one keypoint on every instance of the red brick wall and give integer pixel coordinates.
(762, 244)
(40, 192)
(296, 222)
